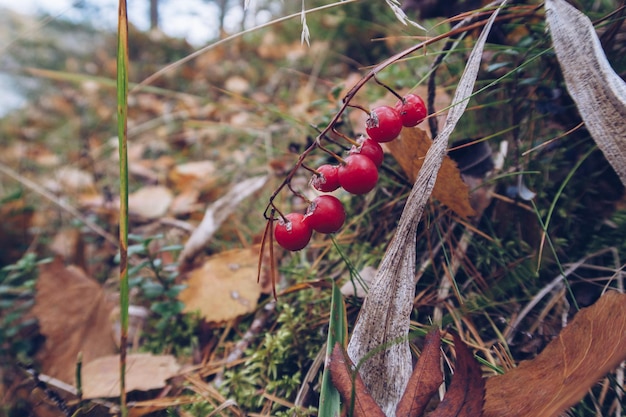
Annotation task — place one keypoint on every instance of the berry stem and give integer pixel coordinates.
(346, 138)
(329, 138)
(331, 153)
(391, 90)
(297, 194)
(308, 168)
(355, 106)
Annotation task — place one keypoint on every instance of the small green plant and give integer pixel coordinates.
(275, 365)
(169, 329)
(17, 290)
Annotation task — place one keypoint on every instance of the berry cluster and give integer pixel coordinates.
(357, 174)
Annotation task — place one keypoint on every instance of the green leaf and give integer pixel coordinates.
(330, 404)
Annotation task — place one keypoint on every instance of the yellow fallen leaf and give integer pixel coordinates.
(225, 287)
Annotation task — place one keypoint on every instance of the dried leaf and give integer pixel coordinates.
(384, 317)
(425, 380)
(409, 150)
(74, 316)
(68, 244)
(599, 93)
(17, 217)
(466, 394)
(70, 179)
(593, 344)
(150, 202)
(185, 202)
(351, 386)
(144, 371)
(225, 287)
(197, 175)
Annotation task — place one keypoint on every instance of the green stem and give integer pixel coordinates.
(122, 124)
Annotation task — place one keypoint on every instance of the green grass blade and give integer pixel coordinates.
(122, 123)
(330, 403)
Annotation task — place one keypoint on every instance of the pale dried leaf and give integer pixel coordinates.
(593, 344)
(72, 179)
(384, 317)
(599, 93)
(144, 372)
(196, 175)
(225, 287)
(150, 202)
(74, 316)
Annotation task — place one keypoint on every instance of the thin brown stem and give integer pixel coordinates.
(388, 88)
(346, 138)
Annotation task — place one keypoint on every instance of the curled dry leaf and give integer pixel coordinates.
(425, 379)
(466, 394)
(593, 344)
(144, 371)
(74, 316)
(225, 287)
(409, 150)
(351, 388)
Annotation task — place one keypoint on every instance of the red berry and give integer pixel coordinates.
(325, 214)
(358, 175)
(294, 233)
(371, 149)
(326, 179)
(384, 124)
(412, 110)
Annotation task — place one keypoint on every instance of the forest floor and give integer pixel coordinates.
(525, 227)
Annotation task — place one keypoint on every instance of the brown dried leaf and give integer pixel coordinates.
(74, 316)
(425, 380)
(225, 287)
(144, 371)
(410, 149)
(466, 394)
(17, 217)
(593, 344)
(341, 373)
